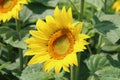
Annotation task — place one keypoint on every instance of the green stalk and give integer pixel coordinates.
(77, 69)
(81, 10)
(80, 17)
(99, 44)
(9, 54)
(105, 4)
(18, 27)
(21, 59)
(90, 52)
(74, 6)
(72, 76)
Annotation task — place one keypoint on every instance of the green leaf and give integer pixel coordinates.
(107, 69)
(104, 27)
(109, 73)
(111, 48)
(3, 48)
(114, 18)
(114, 60)
(4, 65)
(113, 36)
(92, 78)
(108, 25)
(34, 72)
(13, 66)
(61, 76)
(51, 3)
(98, 4)
(97, 62)
(11, 36)
(33, 12)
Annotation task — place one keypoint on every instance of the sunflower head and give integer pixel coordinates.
(10, 8)
(56, 41)
(116, 6)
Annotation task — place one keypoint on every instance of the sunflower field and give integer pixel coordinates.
(59, 39)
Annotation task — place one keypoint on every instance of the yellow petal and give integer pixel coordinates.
(39, 59)
(69, 14)
(37, 47)
(39, 35)
(41, 25)
(50, 19)
(49, 65)
(64, 17)
(35, 41)
(83, 36)
(34, 52)
(75, 61)
(116, 6)
(79, 27)
(58, 67)
(56, 12)
(69, 59)
(66, 69)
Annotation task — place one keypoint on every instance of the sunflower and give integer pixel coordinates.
(56, 41)
(10, 8)
(116, 6)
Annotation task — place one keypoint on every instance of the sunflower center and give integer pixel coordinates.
(7, 5)
(1, 1)
(61, 44)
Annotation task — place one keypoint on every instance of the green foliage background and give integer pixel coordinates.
(101, 60)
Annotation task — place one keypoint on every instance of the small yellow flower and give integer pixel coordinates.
(10, 8)
(56, 41)
(116, 6)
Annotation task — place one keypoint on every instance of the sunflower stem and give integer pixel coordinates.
(77, 69)
(99, 44)
(90, 51)
(18, 27)
(105, 4)
(21, 59)
(74, 6)
(72, 73)
(81, 10)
